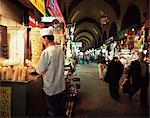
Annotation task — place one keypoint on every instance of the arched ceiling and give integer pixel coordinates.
(86, 14)
(85, 43)
(81, 38)
(89, 37)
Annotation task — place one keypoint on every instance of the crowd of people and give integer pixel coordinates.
(111, 71)
(137, 75)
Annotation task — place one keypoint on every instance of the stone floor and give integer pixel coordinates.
(95, 102)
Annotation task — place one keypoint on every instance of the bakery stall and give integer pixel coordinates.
(20, 86)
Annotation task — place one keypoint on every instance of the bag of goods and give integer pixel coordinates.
(16, 72)
(126, 86)
(24, 74)
(9, 73)
(3, 75)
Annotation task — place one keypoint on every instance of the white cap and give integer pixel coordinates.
(47, 31)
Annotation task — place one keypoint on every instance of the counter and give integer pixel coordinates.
(22, 98)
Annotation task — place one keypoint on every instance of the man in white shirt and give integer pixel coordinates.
(51, 67)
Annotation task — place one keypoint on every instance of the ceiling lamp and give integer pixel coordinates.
(104, 19)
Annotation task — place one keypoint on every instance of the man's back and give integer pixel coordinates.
(52, 65)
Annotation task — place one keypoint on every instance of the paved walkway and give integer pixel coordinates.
(95, 102)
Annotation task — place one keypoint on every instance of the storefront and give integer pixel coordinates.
(19, 89)
(58, 22)
(131, 41)
(21, 93)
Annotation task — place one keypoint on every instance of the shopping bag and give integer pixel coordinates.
(126, 86)
(106, 77)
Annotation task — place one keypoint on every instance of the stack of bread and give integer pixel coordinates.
(16, 73)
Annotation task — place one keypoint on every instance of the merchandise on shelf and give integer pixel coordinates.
(36, 44)
(15, 73)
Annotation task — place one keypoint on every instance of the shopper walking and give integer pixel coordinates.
(139, 74)
(86, 57)
(113, 75)
(101, 66)
(51, 66)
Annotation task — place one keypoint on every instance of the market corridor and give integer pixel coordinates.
(94, 99)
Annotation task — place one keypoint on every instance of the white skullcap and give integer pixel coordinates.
(47, 31)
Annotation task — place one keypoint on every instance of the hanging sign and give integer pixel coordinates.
(5, 102)
(78, 44)
(32, 21)
(54, 10)
(108, 41)
(40, 5)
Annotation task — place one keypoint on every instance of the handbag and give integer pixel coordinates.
(106, 77)
(126, 86)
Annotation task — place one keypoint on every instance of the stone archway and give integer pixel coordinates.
(131, 17)
(113, 30)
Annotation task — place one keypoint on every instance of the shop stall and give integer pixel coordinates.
(21, 93)
(19, 98)
(20, 89)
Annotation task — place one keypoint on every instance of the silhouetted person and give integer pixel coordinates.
(113, 75)
(139, 74)
(101, 66)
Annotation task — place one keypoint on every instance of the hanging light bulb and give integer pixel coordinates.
(104, 19)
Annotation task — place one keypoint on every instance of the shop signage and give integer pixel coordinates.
(32, 21)
(130, 40)
(78, 44)
(5, 102)
(108, 41)
(54, 10)
(40, 5)
(49, 19)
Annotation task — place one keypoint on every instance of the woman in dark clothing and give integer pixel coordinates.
(113, 75)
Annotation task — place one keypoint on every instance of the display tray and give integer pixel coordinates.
(32, 78)
(24, 98)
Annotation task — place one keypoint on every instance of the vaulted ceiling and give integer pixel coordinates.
(86, 14)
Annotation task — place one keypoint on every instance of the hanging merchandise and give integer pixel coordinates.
(130, 40)
(40, 5)
(140, 42)
(69, 55)
(36, 44)
(54, 10)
